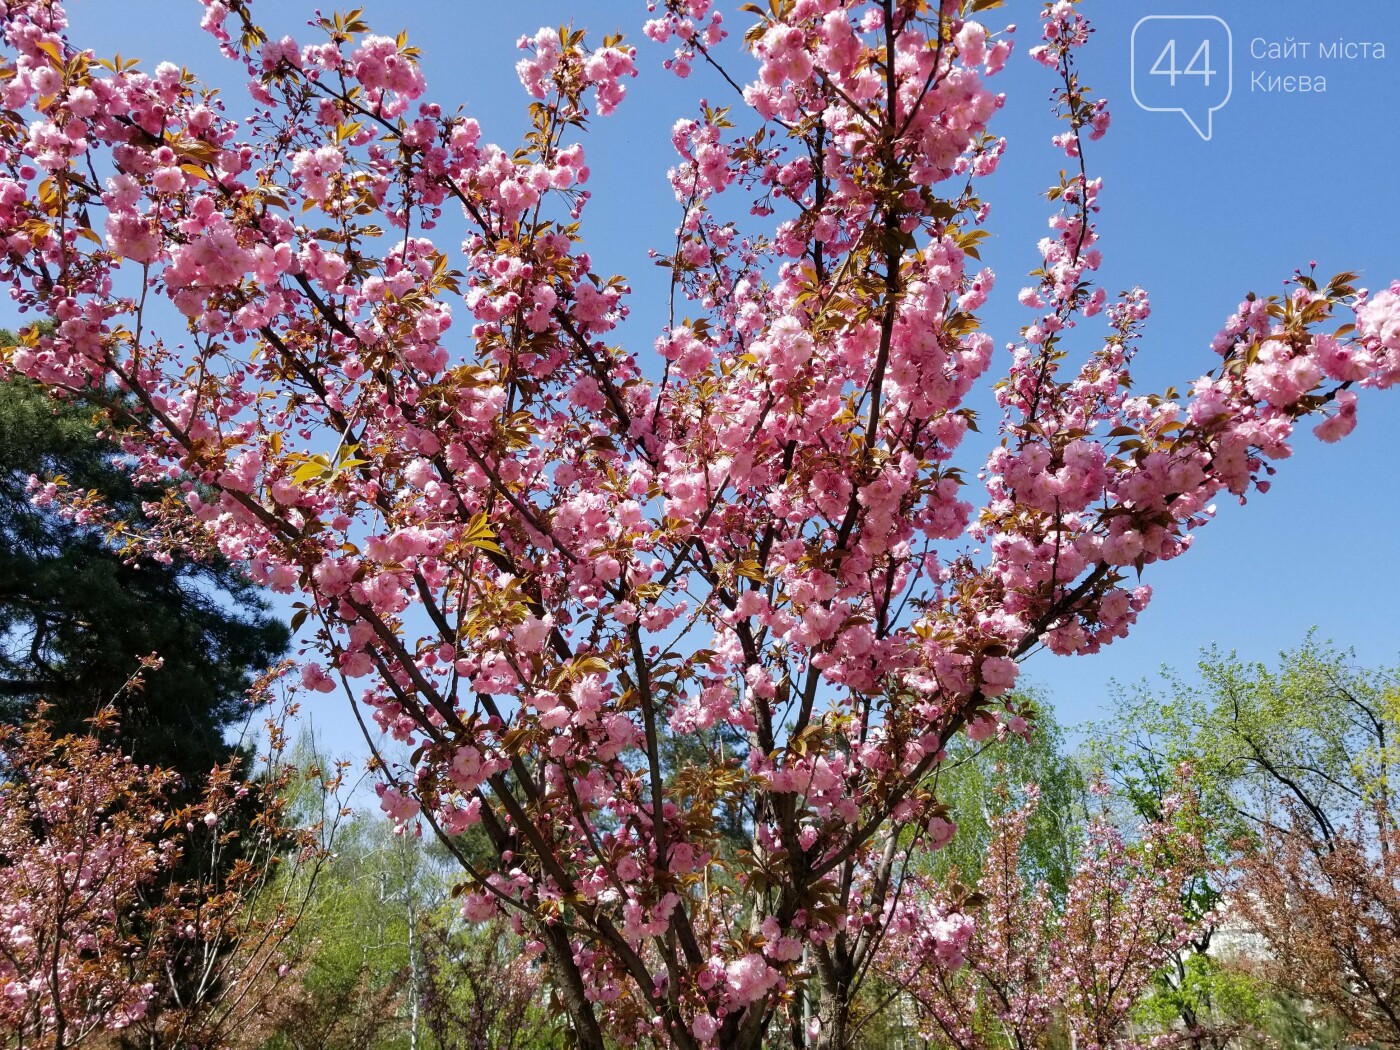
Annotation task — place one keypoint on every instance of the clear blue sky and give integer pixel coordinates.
(1287, 178)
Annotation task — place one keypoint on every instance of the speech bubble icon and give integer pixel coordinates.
(1183, 64)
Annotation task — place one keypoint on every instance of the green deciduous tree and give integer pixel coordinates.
(1315, 730)
(389, 964)
(1296, 767)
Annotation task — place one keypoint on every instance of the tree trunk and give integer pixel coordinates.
(582, 1020)
(415, 977)
(834, 1003)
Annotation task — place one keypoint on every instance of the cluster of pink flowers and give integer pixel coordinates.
(1031, 959)
(553, 63)
(80, 838)
(696, 24)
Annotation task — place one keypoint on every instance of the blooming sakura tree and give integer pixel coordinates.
(121, 912)
(1020, 967)
(79, 841)
(611, 600)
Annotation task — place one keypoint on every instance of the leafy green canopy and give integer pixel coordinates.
(1315, 732)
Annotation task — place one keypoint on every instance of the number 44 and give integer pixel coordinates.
(1199, 66)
